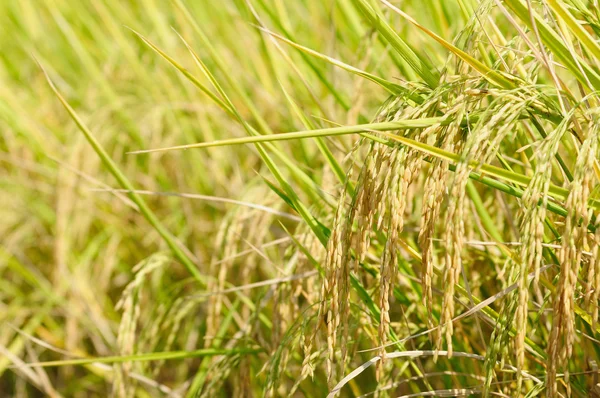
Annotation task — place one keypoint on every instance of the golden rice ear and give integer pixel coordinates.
(130, 304)
(434, 193)
(368, 198)
(574, 239)
(532, 235)
(396, 195)
(222, 261)
(593, 285)
(334, 288)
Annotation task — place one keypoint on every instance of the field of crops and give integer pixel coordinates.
(306, 198)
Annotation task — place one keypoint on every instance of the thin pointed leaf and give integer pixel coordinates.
(152, 356)
(127, 185)
(491, 75)
(326, 132)
(392, 88)
(419, 65)
(582, 70)
(582, 35)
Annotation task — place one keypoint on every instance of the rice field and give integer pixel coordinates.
(304, 198)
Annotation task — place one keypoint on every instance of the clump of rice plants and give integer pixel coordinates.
(337, 198)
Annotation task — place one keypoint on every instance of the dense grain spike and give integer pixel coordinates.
(334, 280)
(399, 175)
(562, 336)
(592, 293)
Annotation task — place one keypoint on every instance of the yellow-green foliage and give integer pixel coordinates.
(267, 197)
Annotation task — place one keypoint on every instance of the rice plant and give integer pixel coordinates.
(311, 198)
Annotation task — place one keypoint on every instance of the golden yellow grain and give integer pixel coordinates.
(335, 283)
(214, 302)
(592, 293)
(562, 336)
(400, 177)
(129, 303)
